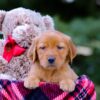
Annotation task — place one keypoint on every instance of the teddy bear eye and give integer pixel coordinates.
(60, 47)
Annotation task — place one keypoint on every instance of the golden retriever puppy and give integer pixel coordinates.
(51, 53)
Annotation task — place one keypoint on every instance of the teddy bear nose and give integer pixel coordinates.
(51, 60)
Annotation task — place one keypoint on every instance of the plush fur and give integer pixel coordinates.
(52, 45)
(23, 24)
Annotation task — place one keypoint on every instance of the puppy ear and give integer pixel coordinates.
(32, 54)
(72, 49)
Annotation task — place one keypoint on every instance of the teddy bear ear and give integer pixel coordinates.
(2, 16)
(48, 21)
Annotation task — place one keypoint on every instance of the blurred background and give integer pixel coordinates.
(78, 18)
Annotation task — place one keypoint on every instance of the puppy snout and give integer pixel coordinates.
(51, 60)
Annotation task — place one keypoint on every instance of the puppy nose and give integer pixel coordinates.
(51, 60)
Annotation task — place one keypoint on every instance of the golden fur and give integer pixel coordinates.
(61, 48)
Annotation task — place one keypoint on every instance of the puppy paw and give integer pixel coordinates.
(67, 85)
(31, 83)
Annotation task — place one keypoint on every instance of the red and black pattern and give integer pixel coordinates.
(14, 90)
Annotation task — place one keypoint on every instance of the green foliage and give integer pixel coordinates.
(98, 92)
(82, 30)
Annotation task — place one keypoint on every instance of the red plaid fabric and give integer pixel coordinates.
(14, 90)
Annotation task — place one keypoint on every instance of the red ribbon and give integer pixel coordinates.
(12, 49)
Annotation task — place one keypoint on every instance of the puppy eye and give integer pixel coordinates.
(60, 47)
(42, 47)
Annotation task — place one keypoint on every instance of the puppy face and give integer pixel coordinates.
(52, 50)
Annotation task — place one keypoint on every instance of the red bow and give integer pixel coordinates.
(12, 49)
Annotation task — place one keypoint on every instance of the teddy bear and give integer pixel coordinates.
(19, 26)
